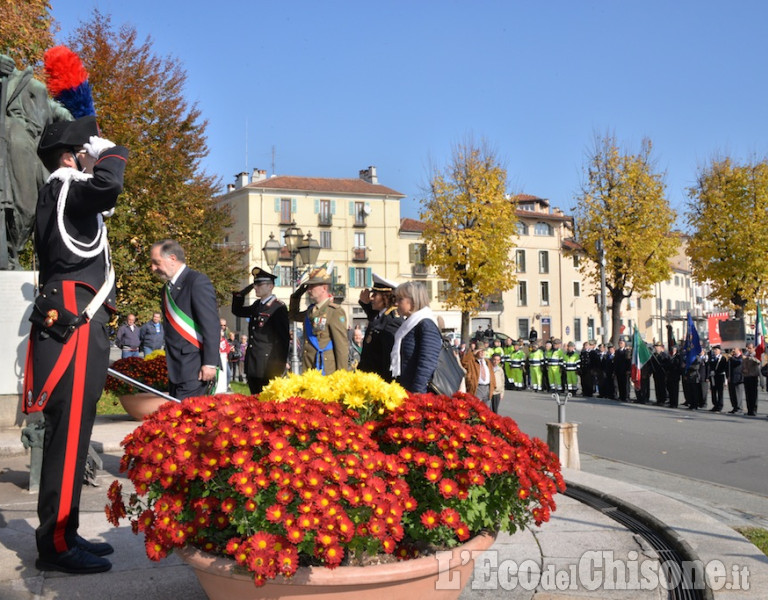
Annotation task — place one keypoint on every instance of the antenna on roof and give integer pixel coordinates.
(246, 143)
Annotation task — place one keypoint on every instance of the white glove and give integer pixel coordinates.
(96, 145)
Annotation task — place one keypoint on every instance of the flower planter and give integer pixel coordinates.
(142, 404)
(404, 580)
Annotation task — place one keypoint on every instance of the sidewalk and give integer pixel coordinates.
(565, 558)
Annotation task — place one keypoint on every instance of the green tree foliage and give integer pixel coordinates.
(140, 104)
(26, 31)
(622, 205)
(470, 223)
(727, 210)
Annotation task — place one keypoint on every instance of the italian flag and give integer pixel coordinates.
(759, 334)
(640, 356)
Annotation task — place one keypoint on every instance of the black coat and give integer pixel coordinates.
(268, 335)
(378, 341)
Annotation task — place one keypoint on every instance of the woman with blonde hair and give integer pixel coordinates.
(417, 341)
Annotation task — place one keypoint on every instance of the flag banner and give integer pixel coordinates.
(640, 355)
(733, 334)
(759, 334)
(692, 345)
(713, 325)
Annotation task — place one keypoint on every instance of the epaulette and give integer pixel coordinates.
(390, 310)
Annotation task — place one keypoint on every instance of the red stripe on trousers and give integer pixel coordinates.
(75, 418)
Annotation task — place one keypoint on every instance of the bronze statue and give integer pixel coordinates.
(25, 109)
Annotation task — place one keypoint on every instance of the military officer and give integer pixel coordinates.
(383, 321)
(268, 330)
(326, 345)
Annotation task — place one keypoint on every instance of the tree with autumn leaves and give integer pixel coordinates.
(470, 226)
(622, 209)
(140, 104)
(727, 211)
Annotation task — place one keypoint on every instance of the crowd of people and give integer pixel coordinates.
(604, 370)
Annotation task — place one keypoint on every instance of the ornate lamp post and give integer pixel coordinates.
(306, 250)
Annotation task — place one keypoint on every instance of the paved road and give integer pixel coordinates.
(729, 450)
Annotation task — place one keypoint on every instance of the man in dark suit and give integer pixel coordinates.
(268, 334)
(192, 322)
(622, 365)
(64, 378)
(718, 369)
(383, 322)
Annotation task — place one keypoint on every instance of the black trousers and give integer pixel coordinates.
(622, 383)
(69, 416)
(750, 394)
(717, 392)
(673, 390)
(256, 384)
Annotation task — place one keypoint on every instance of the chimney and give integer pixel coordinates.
(241, 180)
(230, 187)
(258, 175)
(369, 175)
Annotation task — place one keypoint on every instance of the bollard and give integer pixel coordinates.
(33, 436)
(562, 437)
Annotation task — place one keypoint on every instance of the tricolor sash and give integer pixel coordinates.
(180, 321)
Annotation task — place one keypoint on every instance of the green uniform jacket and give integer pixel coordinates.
(329, 323)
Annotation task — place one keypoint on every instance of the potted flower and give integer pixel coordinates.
(343, 470)
(151, 370)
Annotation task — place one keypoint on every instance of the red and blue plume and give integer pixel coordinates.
(67, 81)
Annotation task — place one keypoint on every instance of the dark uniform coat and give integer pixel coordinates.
(65, 380)
(378, 342)
(329, 323)
(268, 338)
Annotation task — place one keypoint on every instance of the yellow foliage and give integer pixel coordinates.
(470, 227)
(727, 213)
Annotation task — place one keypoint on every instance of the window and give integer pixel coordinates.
(284, 276)
(522, 328)
(359, 277)
(544, 293)
(520, 261)
(360, 239)
(285, 210)
(417, 253)
(639, 303)
(543, 261)
(542, 228)
(359, 213)
(576, 260)
(443, 288)
(522, 228)
(669, 304)
(576, 289)
(325, 213)
(325, 239)
(677, 280)
(577, 329)
(522, 293)
(426, 284)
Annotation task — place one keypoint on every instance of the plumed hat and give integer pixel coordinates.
(66, 134)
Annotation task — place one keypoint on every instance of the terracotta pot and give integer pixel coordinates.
(406, 580)
(142, 404)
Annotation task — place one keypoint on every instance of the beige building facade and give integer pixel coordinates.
(357, 224)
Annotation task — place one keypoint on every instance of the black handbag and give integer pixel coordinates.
(53, 319)
(449, 373)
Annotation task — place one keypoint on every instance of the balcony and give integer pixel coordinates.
(360, 220)
(419, 269)
(360, 254)
(324, 220)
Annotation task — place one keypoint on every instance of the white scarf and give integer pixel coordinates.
(405, 329)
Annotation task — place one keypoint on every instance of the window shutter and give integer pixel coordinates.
(333, 207)
(317, 205)
(293, 206)
(368, 277)
(368, 208)
(277, 205)
(352, 282)
(351, 208)
(277, 281)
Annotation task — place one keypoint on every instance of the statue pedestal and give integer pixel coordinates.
(17, 291)
(563, 440)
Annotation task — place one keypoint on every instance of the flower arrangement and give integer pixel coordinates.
(151, 370)
(288, 481)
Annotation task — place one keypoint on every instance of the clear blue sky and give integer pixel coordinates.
(336, 86)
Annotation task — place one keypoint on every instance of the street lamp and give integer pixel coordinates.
(302, 250)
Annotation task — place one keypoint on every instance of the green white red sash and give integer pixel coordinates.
(180, 321)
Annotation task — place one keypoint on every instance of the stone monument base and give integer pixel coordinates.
(17, 291)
